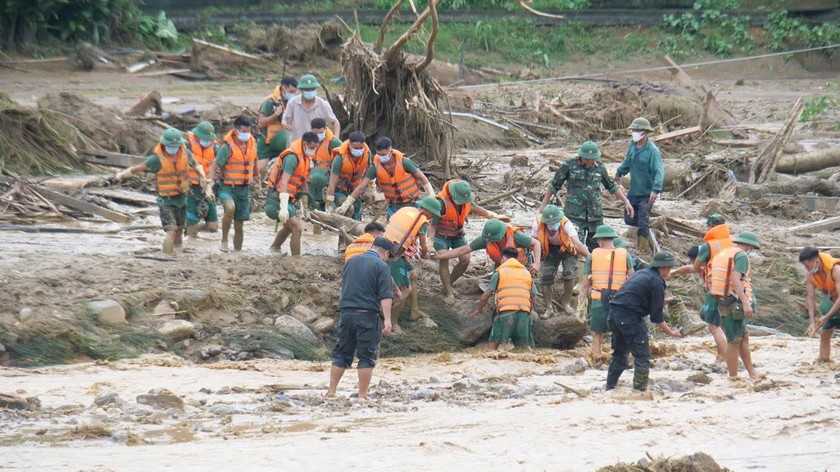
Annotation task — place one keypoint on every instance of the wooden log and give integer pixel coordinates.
(163, 72)
(809, 161)
(825, 224)
(112, 159)
(675, 134)
(351, 226)
(123, 195)
(794, 186)
(764, 165)
(70, 182)
(90, 208)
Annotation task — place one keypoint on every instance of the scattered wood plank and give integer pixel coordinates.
(736, 143)
(237, 56)
(70, 182)
(481, 119)
(137, 67)
(123, 195)
(764, 165)
(163, 72)
(90, 208)
(37, 61)
(500, 196)
(825, 224)
(675, 134)
(112, 159)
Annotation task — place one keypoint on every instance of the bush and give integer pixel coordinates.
(710, 27)
(783, 31)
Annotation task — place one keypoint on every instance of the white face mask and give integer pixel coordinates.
(637, 136)
(357, 152)
(554, 226)
(205, 144)
(309, 152)
(309, 94)
(288, 96)
(814, 270)
(171, 150)
(385, 158)
(243, 136)
(322, 136)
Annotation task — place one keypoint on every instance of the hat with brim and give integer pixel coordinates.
(605, 232)
(430, 204)
(172, 137)
(552, 214)
(715, 219)
(640, 124)
(204, 131)
(494, 230)
(461, 192)
(589, 151)
(747, 238)
(663, 259)
(308, 81)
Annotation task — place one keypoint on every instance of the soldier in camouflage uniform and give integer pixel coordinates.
(585, 176)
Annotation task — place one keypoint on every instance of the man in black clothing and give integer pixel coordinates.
(641, 295)
(366, 298)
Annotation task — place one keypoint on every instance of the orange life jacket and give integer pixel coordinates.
(822, 280)
(299, 176)
(359, 246)
(173, 177)
(239, 168)
(399, 188)
(718, 238)
(722, 267)
(353, 169)
(604, 261)
(323, 157)
(566, 243)
(204, 156)
(452, 222)
(514, 290)
(273, 129)
(494, 250)
(406, 220)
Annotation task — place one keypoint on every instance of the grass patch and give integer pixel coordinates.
(423, 340)
(262, 339)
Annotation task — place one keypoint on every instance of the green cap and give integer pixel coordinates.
(715, 219)
(605, 232)
(172, 137)
(431, 204)
(663, 259)
(319, 177)
(461, 192)
(619, 243)
(641, 123)
(204, 131)
(494, 231)
(589, 151)
(747, 238)
(552, 214)
(308, 81)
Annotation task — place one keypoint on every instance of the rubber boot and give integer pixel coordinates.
(238, 235)
(280, 238)
(227, 221)
(640, 378)
(295, 244)
(548, 298)
(446, 280)
(644, 246)
(566, 298)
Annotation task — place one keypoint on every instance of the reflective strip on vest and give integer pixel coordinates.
(173, 177)
(721, 274)
(566, 243)
(514, 290)
(451, 223)
(239, 168)
(298, 177)
(601, 260)
(359, 246)
(822, 280)
(204, 156)
(402, 187)
(352, 172)
(494, 250)
(406, 221)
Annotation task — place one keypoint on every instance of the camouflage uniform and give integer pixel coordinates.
(583, 196)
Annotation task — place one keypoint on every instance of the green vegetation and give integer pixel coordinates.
(817, 105)
(783, 31)
(423, 340)
(709, 28)
(267, 341)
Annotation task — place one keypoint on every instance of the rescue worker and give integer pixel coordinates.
(321, 163)
(641, 295)
(605, 271)
(515, 297)
(823, 275)
(447, 231)
(287, 182)
(559, 244)
(202, 141)
(236, 164)
(408, 227)
(364, 242)
(496, 236)
(399, 178)
(364, 315)
(171, 162)
(270, 121)
(643, 162)
(731, 284)
(350, 163)
(585, 176)
(303, 108)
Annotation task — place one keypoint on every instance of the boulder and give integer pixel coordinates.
(177, 329)
(214, 351)
(472, 329)
(161, 399)
(468, 286)
(25, 313)
(13, 401)
(294, 328)
(195, 298)
(304, 314)
(561, 332)
(107, 397)
(323, 325)
(109, 312)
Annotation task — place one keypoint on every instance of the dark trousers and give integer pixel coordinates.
(641, 216)
(629, 337)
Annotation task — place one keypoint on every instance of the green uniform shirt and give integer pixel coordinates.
(494, 284)
(646, 169)
(222, 154)
(583, 196)
(704, 252)
(267, 109)
(154, 166)
(520, 238)
(408, 164)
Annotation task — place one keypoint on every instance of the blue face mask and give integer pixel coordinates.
(357, 152)
(243, 136)
(171, 150)
(554, 226)
(322, 136)
(288, 96)
(385, 158)
(205, 144)
(309, 94)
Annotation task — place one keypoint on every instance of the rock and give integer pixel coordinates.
(465, 383)
(205, 391)
(185, 343)
(224, 409)
(472, 329)
(107, 397)
(195, 298)
(561, 332)
(214, 351)
(576, 367)
(284, 301)
(427, 394)
(248, 317)
(204, 354)
(323, 325)
(162, 399)
(163, 308)
(25, 313)
(109, 312)
(223, 391)
(177, 329)
(282, 399)
(13, 401)
(519, 160)
(671, 386)
(242, 356)
(2, 348)
(701, 378)
(294, 328)
(268, 321)
(280, 353)
(468, 286)
(304, 314)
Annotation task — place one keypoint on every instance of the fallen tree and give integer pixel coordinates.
(809, 161)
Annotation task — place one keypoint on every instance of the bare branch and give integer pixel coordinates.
(377, 48)
(392, 51)
(524, 5)
(430, 46)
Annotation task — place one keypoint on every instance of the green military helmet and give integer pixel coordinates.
(605, 232)
(431, 204)
(641, 123)
(747, 238)
(552, 214)
(620, 243)
(715, 219)
(204, 131)
(461, 192)
(172, 137)
(663, 259)
(308, 81)
(589, 151)
(494, 231)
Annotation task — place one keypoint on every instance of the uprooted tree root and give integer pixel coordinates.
(698, 462)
